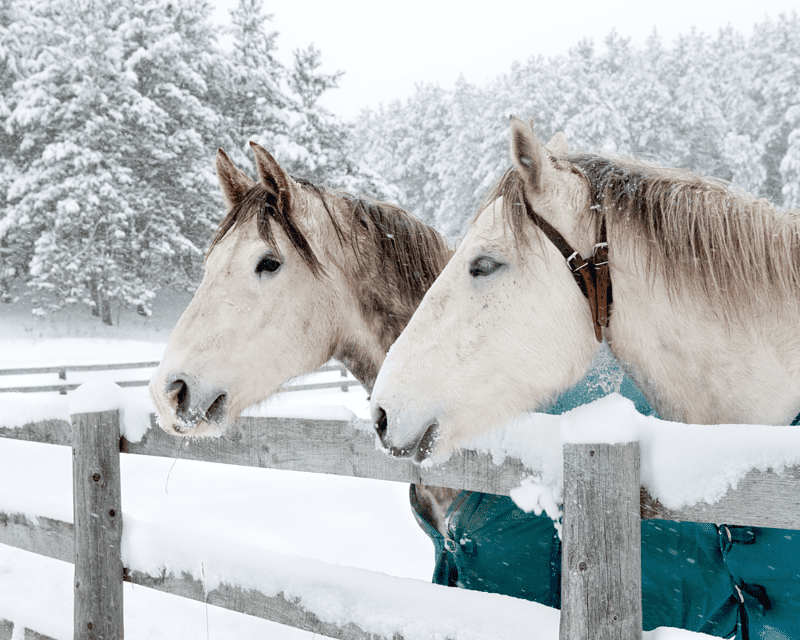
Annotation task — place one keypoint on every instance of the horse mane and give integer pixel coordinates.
(694, 231)
(396, 258)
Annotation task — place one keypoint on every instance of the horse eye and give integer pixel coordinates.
(267, 264)
(483, 266)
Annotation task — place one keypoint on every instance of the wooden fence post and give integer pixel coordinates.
(98, 526)
(601, 575)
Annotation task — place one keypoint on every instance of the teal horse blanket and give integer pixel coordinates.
(725, 581)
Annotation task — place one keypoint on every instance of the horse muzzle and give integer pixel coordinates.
(187, 406)
(418, 450)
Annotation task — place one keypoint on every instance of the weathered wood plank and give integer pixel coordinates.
(98, 526)
(47, 537)
(40, 389)
(601, 575)
(30, 634)
(254, 603)
(328, 446)
(32, 370)
(46, 432)
(763, 499)
(64, 387)
(7, 632)
(332, 367)
(336, 447)
(35, 635)
(344, 385)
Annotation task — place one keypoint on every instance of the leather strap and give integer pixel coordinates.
(591, 274)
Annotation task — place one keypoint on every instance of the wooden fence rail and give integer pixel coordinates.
(601, 527)
(64, 387)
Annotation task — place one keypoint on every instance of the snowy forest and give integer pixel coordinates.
(112, 112)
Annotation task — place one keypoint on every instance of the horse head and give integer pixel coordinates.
(460, 367)
(265, 310)
(295, 276)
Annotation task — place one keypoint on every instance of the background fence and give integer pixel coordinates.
(601, 592)
(65, 386)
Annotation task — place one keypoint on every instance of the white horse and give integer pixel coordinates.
(295, 276)
(705, 316)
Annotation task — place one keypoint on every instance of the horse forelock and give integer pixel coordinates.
(261, 205)
(695, 232)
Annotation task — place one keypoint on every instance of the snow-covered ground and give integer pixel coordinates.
(348, 524)
(351, 522)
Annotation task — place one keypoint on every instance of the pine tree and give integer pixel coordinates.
(115, 195)
(19, 48)
(250, 92)
(775, 52)
(401, 143)
(456, 159)
(312, 143)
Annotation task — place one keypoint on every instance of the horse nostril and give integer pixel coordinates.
(180, 391)
(216, 411)
(379, 422)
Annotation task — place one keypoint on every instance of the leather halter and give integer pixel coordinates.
(592, 273)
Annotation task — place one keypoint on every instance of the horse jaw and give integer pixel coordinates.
(452, 366)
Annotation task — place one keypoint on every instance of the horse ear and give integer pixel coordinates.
(272, 175)
(558, 145)
(528, 154)
(232, 180)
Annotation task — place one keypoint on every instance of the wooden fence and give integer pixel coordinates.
(601, 590)
(63, 370)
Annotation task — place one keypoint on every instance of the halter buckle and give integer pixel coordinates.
(600, 246)
(572, 261)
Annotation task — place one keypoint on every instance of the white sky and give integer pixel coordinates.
(386, 47)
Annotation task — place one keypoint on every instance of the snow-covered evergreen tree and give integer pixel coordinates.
(115, 192)
(111, 113)
(250, 84)
(19, 47)
(400, 142)
(280, 109)
(720, 106)
(456, 161)
(775, 51)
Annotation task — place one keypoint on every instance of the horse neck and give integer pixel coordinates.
(693, 362)
(382, 296)
(362, 360)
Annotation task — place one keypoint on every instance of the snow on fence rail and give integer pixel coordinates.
(63, 370)
(601, 592)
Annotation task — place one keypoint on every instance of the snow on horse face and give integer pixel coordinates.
(706, 294)
(295, 276)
